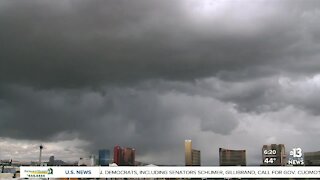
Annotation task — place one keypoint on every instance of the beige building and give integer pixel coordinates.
(229, 157)
(274, 155)
(192, 156)
(188, 152)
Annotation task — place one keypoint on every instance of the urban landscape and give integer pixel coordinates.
(95, 84)
(272, 155)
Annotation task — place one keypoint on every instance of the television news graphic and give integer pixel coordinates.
(273, 155)
(170, 172)
(296, 157)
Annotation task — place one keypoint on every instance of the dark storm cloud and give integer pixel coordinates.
(149, 74)
(155, 119)
(257, 95)
(81, 43)
(138, 117)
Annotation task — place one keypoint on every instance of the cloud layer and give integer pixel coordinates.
(149, 75)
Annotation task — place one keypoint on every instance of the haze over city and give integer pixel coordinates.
(78, 76)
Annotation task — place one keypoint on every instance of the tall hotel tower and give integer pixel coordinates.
(230, 157)
(192, 156)
(188, 152)
(124, 156)
(117, 155)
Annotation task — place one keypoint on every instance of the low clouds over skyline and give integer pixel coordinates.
(84, 75)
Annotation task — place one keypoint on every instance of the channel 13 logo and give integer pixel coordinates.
(296, 157)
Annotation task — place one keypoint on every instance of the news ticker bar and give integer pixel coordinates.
(169, 172)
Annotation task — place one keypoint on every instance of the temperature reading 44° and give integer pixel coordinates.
(270, 160)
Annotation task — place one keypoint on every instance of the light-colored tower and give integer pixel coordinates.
(92, 160)
(41, 147)
(188, 152)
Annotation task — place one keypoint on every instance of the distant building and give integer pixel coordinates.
(274, 155)
(128, 156)
(188, 152)
(51, 161)
(60, 163)
(54, 162)
(229, 157)
(117, 155)
(312, 158)
(124, 156)
(196, 158)
(88, 161)
(104, 157)
(92, 160)
(192, 156)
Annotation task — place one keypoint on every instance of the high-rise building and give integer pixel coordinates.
(196, 158)
(274, 155)
(192, 156)
(104, 157)
(124, 156)
(229, 157)
(312, 158)
(128, 156)
(188, 152)
(117, 155)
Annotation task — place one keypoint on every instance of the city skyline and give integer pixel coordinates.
(272, 155)
(78, 76)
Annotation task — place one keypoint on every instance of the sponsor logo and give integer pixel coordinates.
(39, 173)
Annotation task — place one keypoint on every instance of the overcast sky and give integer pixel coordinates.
(79, 75)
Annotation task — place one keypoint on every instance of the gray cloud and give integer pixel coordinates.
(131, 117)
(77, 43)
(150, 74)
